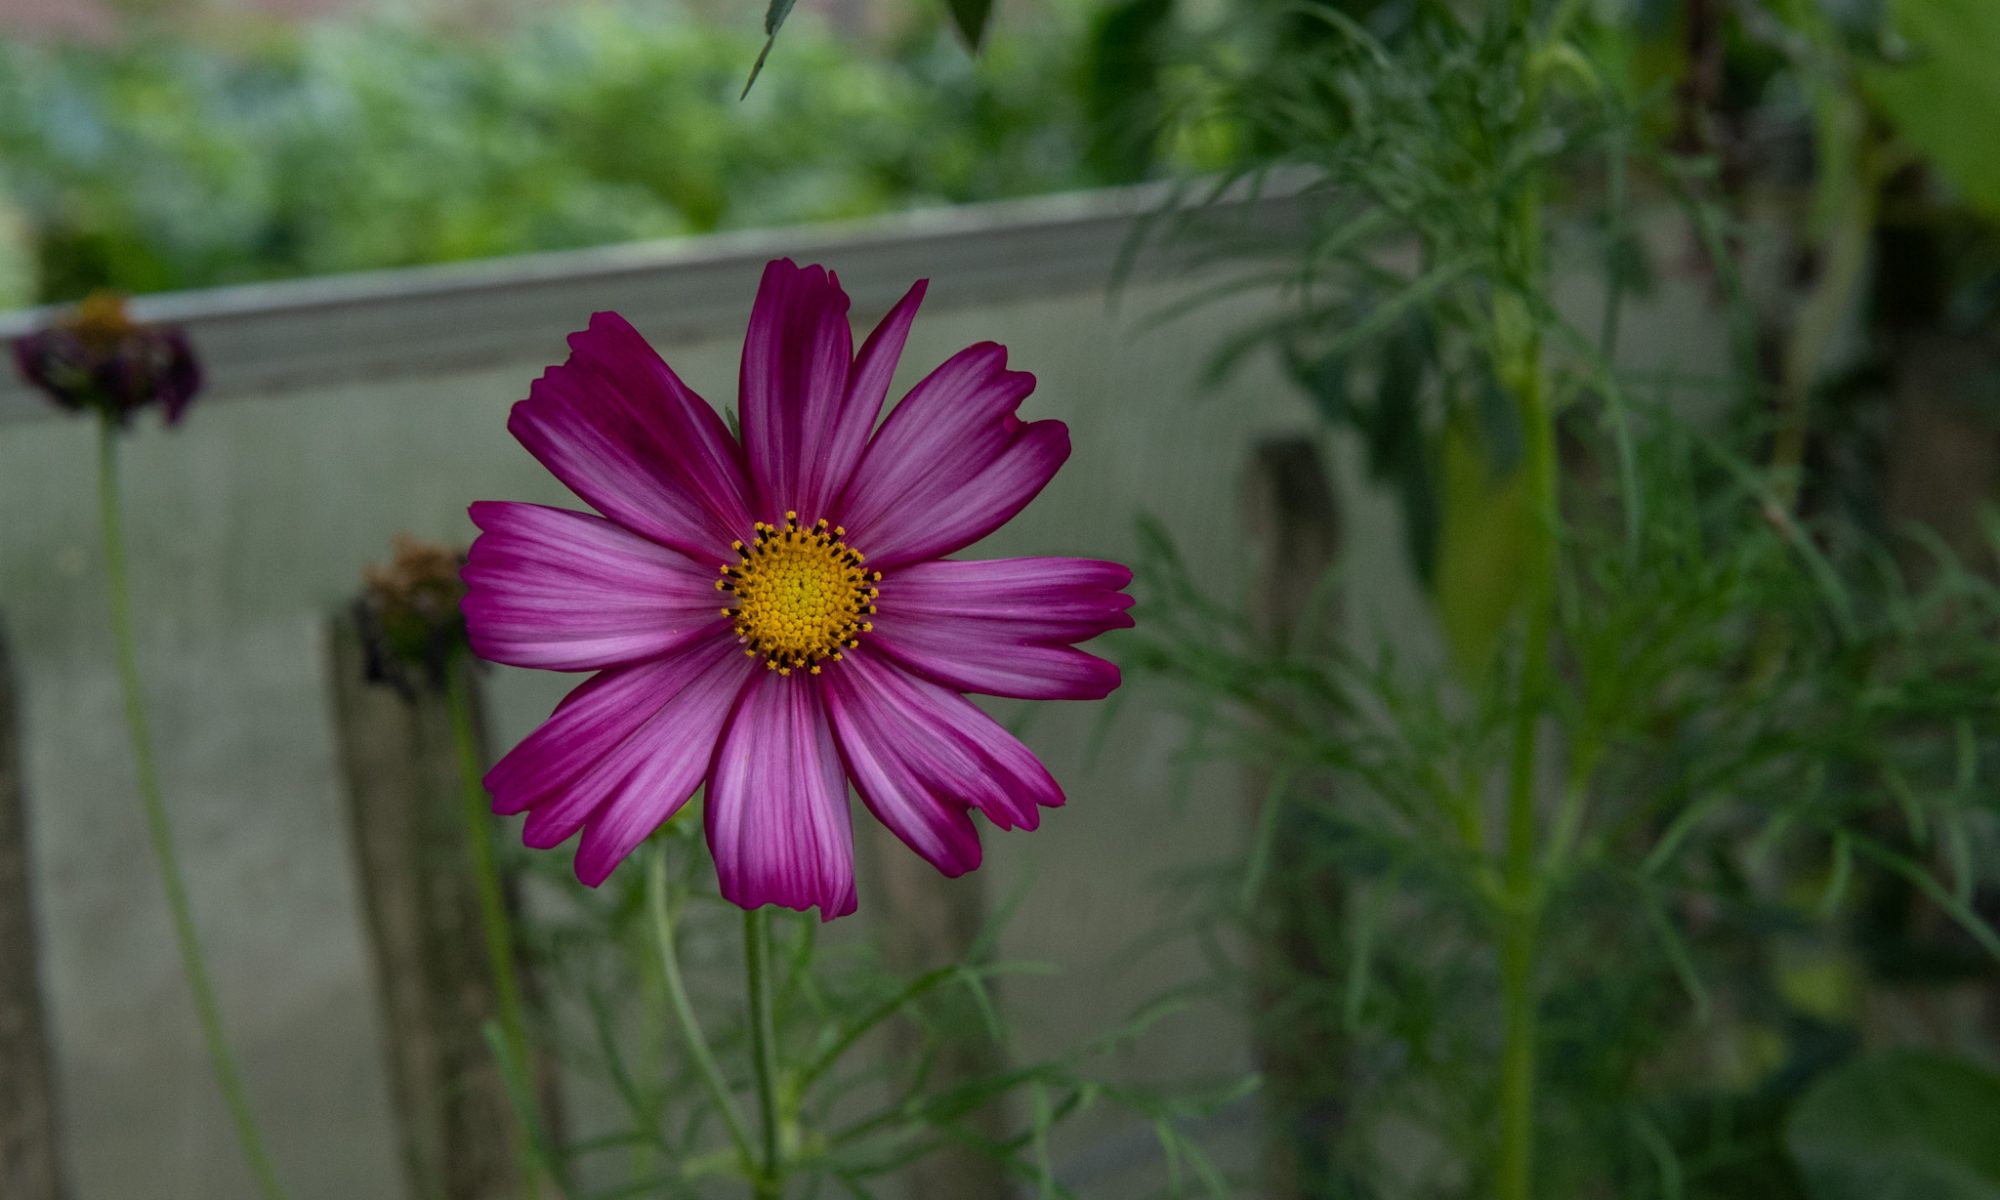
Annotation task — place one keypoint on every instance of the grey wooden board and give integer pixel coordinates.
(30, 1157)
(427, 949)
(1292, 518)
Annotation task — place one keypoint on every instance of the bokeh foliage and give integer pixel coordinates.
(1762, 818)
(173, 158)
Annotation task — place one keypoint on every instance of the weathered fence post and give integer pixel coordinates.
(936, 922)
(30, 1164)
(403, 787)
(1941, 471)
(1942, 468)
(1290, 514)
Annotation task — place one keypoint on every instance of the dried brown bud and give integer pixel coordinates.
(409, 615)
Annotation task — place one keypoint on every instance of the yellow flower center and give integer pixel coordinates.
(102, 318)
(801, 595)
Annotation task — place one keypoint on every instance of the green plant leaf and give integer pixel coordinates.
(1943, 94)
(970, 16)
(774, 19)
(1483, 538)
(1907, 1126)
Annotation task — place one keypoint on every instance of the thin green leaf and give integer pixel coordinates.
(970, 17)
(774, 18)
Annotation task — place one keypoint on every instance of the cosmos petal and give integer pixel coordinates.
(794, 387)
(621, 754)
(618, 427)
(921, 756)
(948, 652)
(778, 822)
(1017, 600)
(867, 388)
(567, 591)
(952, 463)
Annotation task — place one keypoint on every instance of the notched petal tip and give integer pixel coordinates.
(843, 907)
(484, 514)
(605, 338)
(616, 425)
(782, 273)
(592, 872)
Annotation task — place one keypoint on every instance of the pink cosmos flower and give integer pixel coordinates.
(776, 617)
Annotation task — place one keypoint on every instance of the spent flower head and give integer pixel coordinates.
(98, 359)
(408, 611)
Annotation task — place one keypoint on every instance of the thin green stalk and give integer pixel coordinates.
(494, 921)
(1514, 1176)
(1520, 358)
(770, 1182)
(697, 1044)
(193, 966)
(1520, 914)
(652, 1049)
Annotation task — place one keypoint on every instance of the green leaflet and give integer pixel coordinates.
(1943, 97)
(1484, 538)
(1907, 1126)
(970, 17)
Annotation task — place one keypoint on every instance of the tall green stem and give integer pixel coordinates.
(1520, 913)
(764, 1046)
(677, 997)
(193, 965)
(494, 920)
(1522, 369)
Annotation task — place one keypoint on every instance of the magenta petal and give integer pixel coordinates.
(952, 463)
(921, 755)
(969, 656)
(778, 823)
(621, 754)
(567, 591)
(616, 425)
(1013, 599)
(794, 389)
(901, 770)
(867, 389)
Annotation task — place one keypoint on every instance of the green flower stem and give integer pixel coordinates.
(193, 966)
(494, 921)
(764, 1047)
(1520, 362)
(1520, 909)
(697, 1045)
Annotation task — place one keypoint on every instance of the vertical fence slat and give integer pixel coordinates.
(1943, 459)
(436, 990)
(30, 1164)
(1941, 471)
(1291, 516)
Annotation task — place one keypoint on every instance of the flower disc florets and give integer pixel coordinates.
(802, 595)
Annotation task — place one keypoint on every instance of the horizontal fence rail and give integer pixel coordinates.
(267, 337)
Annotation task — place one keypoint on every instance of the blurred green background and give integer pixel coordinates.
(167, 146)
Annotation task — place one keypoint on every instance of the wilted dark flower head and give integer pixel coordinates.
(99, 359)
(410, 622)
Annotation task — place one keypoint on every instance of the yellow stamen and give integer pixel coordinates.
(801, 594)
